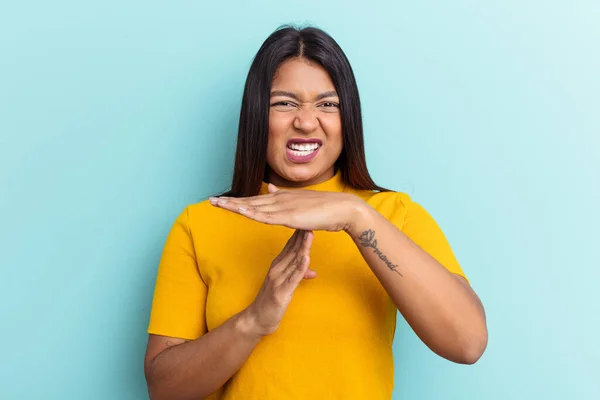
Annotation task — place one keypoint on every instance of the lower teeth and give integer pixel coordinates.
(302, 153)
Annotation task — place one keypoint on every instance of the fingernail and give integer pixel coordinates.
(222, 201)
(213, 200)
(242, 209)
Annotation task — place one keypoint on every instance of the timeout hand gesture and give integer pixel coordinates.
(286, 272)
(296, 209)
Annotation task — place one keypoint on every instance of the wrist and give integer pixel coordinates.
(359, 214)
(246, 325)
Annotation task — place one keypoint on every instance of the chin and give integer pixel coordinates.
(298, 173)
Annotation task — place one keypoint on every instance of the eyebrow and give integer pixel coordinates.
(324, 95)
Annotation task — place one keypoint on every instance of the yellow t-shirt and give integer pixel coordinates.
(335, 340)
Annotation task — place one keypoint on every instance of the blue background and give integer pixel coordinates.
(115, 115)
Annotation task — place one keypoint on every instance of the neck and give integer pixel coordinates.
(277, 180)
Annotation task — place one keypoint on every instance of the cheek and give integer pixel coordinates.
(333, 130)
(278, 127)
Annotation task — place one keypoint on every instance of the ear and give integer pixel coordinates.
(272, 188)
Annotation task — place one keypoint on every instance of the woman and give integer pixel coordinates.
(289, 289)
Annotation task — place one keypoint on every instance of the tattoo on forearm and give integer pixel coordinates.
(367, 239)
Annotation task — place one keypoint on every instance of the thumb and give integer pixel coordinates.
(310, 274)
(272, 188)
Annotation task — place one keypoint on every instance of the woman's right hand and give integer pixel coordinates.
(287, 270)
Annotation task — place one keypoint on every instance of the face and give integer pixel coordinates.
(305, 126)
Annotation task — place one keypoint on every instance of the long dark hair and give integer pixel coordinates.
(317, 46)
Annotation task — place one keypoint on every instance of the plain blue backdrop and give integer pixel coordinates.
(115, 115)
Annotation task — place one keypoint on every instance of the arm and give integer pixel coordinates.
(180, 369)
(440, 306)
(177, 369)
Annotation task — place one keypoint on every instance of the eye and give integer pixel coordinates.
(283, 105)
(329, 107)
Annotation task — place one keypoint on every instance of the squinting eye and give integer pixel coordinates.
(282, 104)
(330, 107)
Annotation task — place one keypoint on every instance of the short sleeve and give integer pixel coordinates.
(178, 306)
(422, 229)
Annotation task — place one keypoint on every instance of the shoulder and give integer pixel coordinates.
(202, 219)
(393, 205)
(384, 201)
(200, 209)
(390, 200)
(203, 214)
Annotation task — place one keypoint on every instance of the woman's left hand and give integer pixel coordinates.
(297, 209)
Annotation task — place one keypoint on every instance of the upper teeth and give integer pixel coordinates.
(304, 147)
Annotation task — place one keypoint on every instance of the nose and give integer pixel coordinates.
(306, 120)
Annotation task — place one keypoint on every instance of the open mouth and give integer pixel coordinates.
(302, 151)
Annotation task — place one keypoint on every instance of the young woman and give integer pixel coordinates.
(288, 286)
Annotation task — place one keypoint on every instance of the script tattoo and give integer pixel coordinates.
(367, 239)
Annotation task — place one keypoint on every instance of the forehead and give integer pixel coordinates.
(302, 76)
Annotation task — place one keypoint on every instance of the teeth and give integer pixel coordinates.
(309, 147)
(302, 153)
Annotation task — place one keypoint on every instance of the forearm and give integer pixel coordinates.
(443, 311)
(195, 369)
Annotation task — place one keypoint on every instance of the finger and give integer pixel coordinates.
(259, 201)
(310, 274)
(284, 259)
(267, 213)
(233, 203)
(261, 198)
(272, 188)
(291, 243)
(258, 208)
(237, 205)
(286, 255)
(308, 241)
(302, 250)
(298, 273)
(269, 216)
